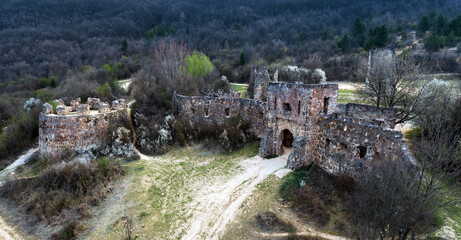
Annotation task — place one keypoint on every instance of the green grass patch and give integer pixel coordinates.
(242, 88)
(350, 96)
(412, 133)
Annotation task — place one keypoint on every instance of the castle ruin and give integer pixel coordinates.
(306, 120)
(78, 127)
(302, 119)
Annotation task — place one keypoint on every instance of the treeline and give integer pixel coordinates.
(46, 38)
(437, 30)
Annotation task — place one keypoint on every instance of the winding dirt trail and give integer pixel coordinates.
(217, 205)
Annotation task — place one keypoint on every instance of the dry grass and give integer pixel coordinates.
(318, 206)
(158, 191)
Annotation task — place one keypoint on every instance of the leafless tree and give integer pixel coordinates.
(393, 201)
(395, 82)
(169, 58)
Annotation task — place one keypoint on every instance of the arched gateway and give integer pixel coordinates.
(287, 139)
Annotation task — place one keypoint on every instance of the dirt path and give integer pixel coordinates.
(217, 205)
(308, 234)
(6, 232)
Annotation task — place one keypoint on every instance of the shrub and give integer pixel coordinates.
(73, 187)
(198, 65)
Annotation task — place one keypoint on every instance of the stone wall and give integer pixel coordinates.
(383, 116)
(219, 110)
(305, 120)
(346, 145)
(295, 107)
(81, 131)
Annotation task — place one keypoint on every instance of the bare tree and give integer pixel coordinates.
(395, 82)
(169, 58)
(393, 201)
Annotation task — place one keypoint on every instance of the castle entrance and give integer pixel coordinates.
(287, 139)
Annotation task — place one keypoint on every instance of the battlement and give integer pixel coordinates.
(78, 127)
(93, 106)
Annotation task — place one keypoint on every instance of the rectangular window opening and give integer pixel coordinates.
(207, 112)
(227, 110)
(362, 151)
(299, 107)
(326, 102)
(286, 107)
(275, 103)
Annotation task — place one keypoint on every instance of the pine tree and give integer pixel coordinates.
(434, 42)
(344, 42)
(242, 58)
(451, 39)
(424, 24)
(440, 24)
(124, 47)
(358, 31)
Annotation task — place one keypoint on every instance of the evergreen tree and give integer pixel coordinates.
(434, 42)
(301, 37)
(242, 58)
(424, 24)
(124, 47)
(358, 31)
(381, 36)
(399, 28)
(440, 24)
(344, 43)
(326, 35)
(377, 37)
(451, 39)
(455, 26)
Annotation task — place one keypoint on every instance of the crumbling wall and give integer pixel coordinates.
(295, 107)
(346, 145)
(80, 131)
(219, 110)
(383, 116)
(259, 82)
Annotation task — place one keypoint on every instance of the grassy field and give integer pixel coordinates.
(347, 93)
(242, 88)
(350, 96)
(154, 199)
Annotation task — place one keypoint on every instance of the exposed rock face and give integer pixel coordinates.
(81, 131)
(74, 104)
(61, 110)
(104, 108)
(118, 104)
(94, 103)
(47, 108)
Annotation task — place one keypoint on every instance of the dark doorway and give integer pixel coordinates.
(287, 138)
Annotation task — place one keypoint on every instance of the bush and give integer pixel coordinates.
(198, 65)
(73, 188)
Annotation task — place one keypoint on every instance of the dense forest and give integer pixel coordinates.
(48, 37)
(66, 49)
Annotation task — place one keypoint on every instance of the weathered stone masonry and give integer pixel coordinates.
(218, 110)
(307, 119)
(80, 131)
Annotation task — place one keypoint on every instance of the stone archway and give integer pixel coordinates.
(287, 139)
